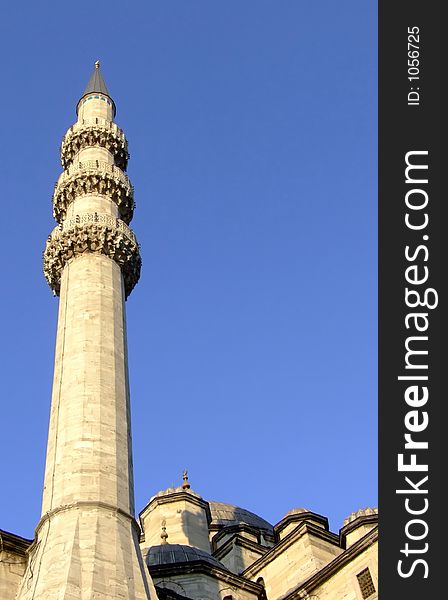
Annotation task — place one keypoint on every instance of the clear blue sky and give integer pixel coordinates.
(253, 330)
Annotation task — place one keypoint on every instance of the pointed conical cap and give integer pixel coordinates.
(97, 85)
(96, 82)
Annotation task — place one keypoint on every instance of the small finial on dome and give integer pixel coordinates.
(186, 484)
(164, 534)
(97, 64)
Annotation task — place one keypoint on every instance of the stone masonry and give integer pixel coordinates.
(86, 544)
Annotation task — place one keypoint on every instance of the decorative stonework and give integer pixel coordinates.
(95, 132)
(92, 260)
(95, 233)
(100, 218)
(93, 177)
(363, 512)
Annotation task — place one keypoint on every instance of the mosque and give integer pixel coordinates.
(88, 544)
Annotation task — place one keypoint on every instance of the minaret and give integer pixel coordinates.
(87, 541)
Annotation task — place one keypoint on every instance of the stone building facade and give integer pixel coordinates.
(88, 545)
(196, 549)
(207, 550)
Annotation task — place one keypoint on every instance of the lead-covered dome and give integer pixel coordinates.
(226, 515)
(167, 554)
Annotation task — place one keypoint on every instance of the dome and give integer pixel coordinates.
(296, 511)
(175, 490)
(227, 515)
(168, 554)
(299, 515)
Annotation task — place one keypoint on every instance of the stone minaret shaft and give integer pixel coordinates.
(86, 544)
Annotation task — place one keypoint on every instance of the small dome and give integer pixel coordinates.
(362, 512)
(299, 515)
(167, 554)
(296, 511)
(175, 490)
(228, 515)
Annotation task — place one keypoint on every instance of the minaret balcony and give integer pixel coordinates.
(95, 132)
(93, 177)
(94, 233)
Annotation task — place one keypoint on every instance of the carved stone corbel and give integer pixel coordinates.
(93, 182)
(114, 240)
(112, 139)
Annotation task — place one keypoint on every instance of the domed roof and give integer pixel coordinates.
(181, 489)
(175, 490)
(296, 511)
(362, 512)
(166, 554)
(228, 514)
(298, 515)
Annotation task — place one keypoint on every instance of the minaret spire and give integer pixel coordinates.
(86, 543)
(96, 85)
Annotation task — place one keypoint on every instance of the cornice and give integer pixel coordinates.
(14, 543)
(234, 529)
(370, 519)
(82, 504)
(291, 538)
(175, 497)
(299, 517)
(333, 567)
(166, 593)
(199, 567)
(239, 540)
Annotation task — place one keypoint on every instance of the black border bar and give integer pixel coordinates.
(413, 332)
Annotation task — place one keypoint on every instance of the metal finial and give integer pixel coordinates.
(164, 534)
(186, 484)
(97, 64)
